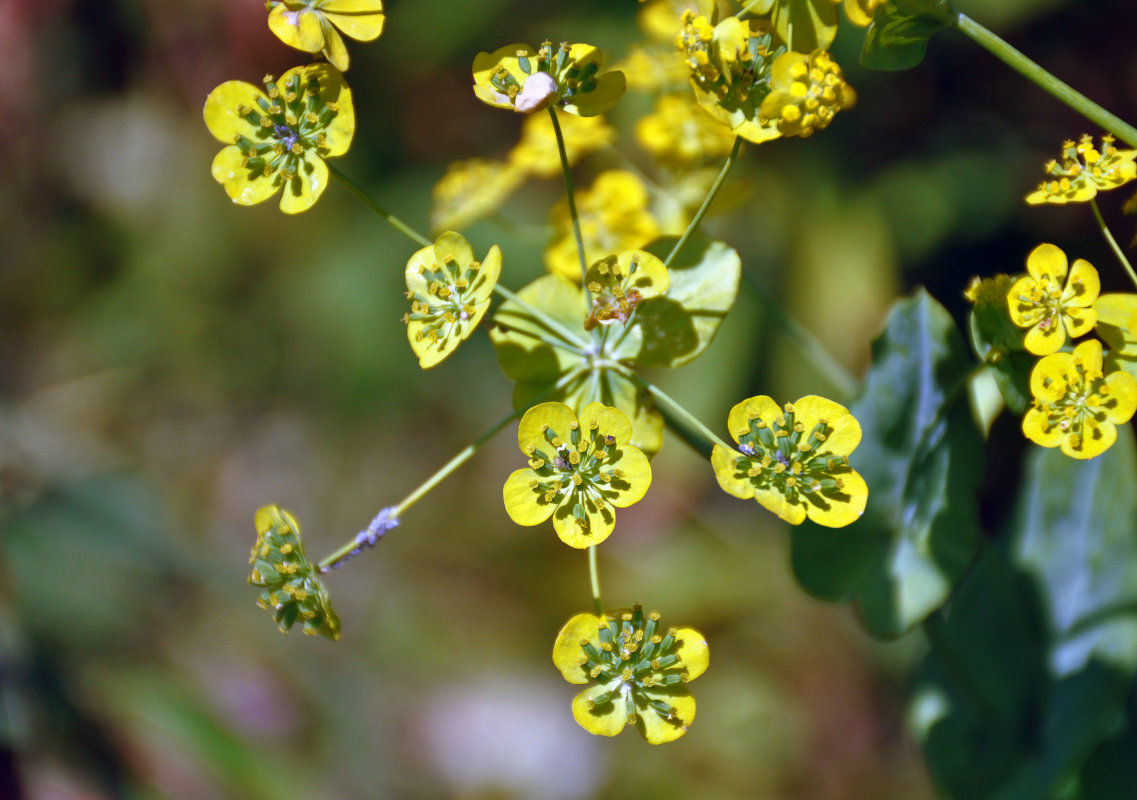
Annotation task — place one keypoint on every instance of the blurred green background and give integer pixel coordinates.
(169, 362)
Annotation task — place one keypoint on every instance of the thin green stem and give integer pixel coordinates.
(571, 202)
(594, 574)
(392, 515)
(1037, 75)
(391, 219)
(809, 344)
(683, 422)
(550, 323)
(540, 336)
(1117, 251)
(714, 190)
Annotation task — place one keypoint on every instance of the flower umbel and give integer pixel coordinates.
(639, 672)
(449, 293)
(729, 66)
(278, 139)
(579, 471)
(311, 25)
(794, 461)
(806, 91)
(1077, 407)
(291, 589)
(523, 79)
(1084, 171)
(619, 283)
(1050, 309)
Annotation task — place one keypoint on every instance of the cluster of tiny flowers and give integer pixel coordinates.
(1051, 303)
(806, 91)
(638, 672)
(292, 590)
(794, 460)
(449, 293)
(1084, 170)
(1076, 406)
(619, 283)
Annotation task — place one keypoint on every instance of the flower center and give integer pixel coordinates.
(782, 455)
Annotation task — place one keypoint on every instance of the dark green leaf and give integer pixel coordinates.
(921, 456)
(898, 36)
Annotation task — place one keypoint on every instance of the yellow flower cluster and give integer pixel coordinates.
(314, 26)
(1050, 303)
(567, 77)
(1084, 171)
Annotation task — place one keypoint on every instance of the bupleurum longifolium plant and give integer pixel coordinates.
(879, 486)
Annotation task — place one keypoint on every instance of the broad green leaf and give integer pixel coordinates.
(1010, 367)
(898, 36)
(1032, 659)
(537, 366)
(677, 327)
(921, 456)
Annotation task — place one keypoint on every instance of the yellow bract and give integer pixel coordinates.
(613, 217)
(806, 91)
(314, 26)
(729, 66)
(470, 190)
(1084, 171)
(278, 139)
(679, 134)
(638, 672)
(449, 293)
(537, 151)
(579, 471)
(860, 12)
(567, 77)
(1051, 305)
(795, 460)
(1077, 407)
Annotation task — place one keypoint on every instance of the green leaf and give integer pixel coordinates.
(1010, 367)
(1031, 661)
(678, 327)
(921, 456)
(898, 36)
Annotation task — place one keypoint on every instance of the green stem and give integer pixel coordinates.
(1036, 74)
(390, 516)
(1112, 242)
(550, 323)
(714, 190)
(692, 430)
(551, 341)
(594, 574)
(391, 219)
(571, 203)
(845, 383)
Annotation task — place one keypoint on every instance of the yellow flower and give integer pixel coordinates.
(729, 67)
(537, 151)
(804, 25)
(619, 283)
(471, 189)
(579, 472)
(658, 18)
(794, 462)
(679, 134)
(1075, 406)
(638, 673)
(1085, 171)
(523, 79)
(613, 217)
(449, 293)
(311, 25)
(279, 140)
(1040, 302)
(653, 67)
(292, 589)
(860, 12)
(805, 92)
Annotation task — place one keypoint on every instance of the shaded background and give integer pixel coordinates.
(169, 362)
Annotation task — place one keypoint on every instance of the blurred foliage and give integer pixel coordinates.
(170, 363)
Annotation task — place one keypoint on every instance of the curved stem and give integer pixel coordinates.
(714, 190)
(391, 219)
(1117, 251)
(683, 422)
(571, 204)
(594, 574)
(391, 515)
(1036, 74)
